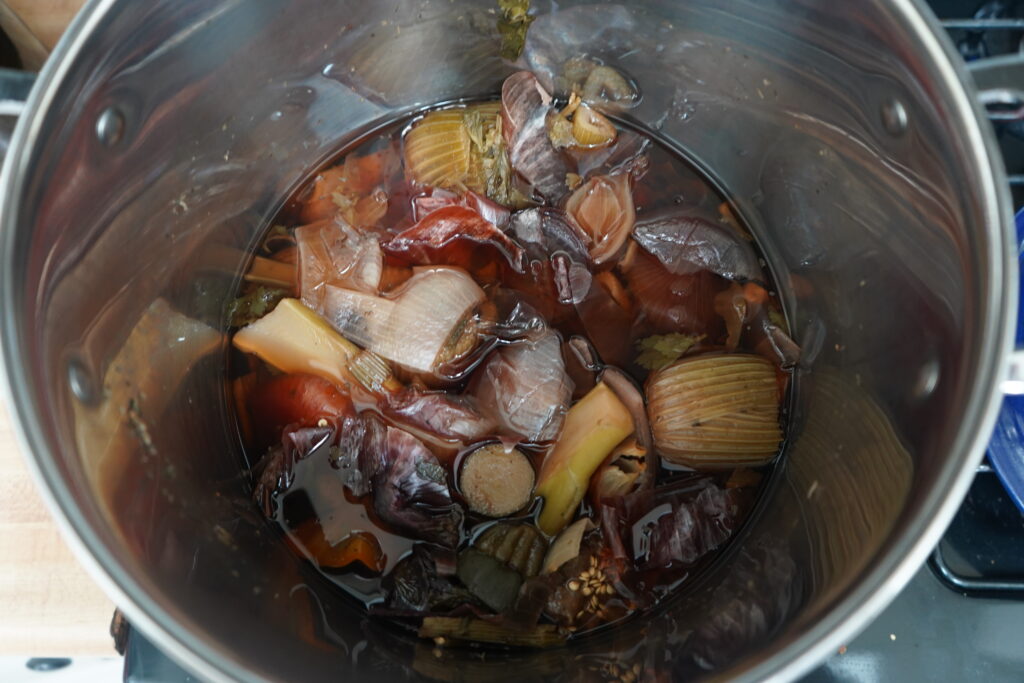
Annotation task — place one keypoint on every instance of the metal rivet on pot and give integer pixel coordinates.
(47, 663)
(894, 117)
(927, 378)
(110, 126)
(81, 382)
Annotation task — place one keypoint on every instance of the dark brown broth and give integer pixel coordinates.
(317, 494)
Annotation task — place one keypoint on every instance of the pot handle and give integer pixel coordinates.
(1000, 84)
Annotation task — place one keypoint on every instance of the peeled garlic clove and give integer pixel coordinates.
(591, 129)
(715, 411)
(437, 150)
(603, 208)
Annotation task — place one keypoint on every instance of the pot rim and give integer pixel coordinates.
(170, 630)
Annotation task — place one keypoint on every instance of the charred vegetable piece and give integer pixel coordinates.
(296, 399)
(416, 585)
(359, 550)
(520, 546)
(455, 236)
(478, 630)
(715, 411)
(495, 481)
(567, 546)
(426, 323)
(593, 427)
(411, 492)
(292, 338)
(526, 388)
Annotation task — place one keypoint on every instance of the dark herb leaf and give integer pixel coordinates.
(512, 26)
(660, 350)
(254, 305)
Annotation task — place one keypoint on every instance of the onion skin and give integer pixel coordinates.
(686, 241)
(673, 303)
(415, 328)
(603, 209)
(526, 388)
(715, 411)
(455, 236)
(333, 252)
(524, 109)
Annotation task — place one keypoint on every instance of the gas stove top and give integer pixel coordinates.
(961, 616)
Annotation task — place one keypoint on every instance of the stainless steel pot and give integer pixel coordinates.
(162, 135)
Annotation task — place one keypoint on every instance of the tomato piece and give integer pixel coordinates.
(294, 400)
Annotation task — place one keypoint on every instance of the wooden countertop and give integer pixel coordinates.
(50, 605)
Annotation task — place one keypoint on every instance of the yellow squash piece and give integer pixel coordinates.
(293, 338)
(593, 428)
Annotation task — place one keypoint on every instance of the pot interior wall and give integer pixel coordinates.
(821, 119)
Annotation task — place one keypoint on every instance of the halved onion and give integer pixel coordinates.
(437, 150)
(715, 411)
(427, 322)
(603, 208)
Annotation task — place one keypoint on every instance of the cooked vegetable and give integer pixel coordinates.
(593, 427)
(297, 400)
(435, 198)
(478, 630)
(340, 188)
(254, 305)
(660, 350)
(625, 387)
(293, 338)
(358, 549)
(439, 414)
(567, 546)
(520, 546)
(417, 585)
(411, 492)
(512, 26)
(462, 149)
(600, 85)
(275, 470)
(524, 109)
(455, 236)
(622, 473)
(496, 481)
(437, 150)
(733, 307)
(676, 304)
(579, 127)
(427, 322)
(525, 388)
(492, 581)
(333, 252)
(603, 208)
(715, 411)
(683, 528)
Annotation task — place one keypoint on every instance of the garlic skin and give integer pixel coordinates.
(715, 411)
